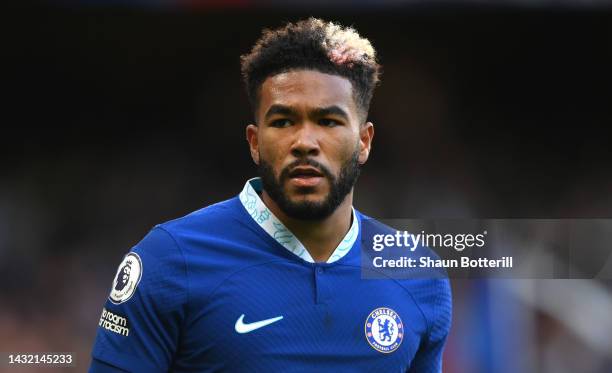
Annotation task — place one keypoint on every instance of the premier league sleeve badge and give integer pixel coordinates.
(127, 279)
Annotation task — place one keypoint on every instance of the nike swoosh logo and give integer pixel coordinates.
(243, 328)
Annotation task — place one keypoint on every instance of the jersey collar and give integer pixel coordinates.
(272, 225)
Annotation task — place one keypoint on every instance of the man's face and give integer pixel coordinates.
(309, 142)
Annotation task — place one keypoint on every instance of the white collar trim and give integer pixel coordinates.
(273, 226)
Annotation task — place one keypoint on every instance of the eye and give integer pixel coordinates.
(329, 122)
(280, 123)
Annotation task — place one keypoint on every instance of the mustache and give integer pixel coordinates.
(284, 175)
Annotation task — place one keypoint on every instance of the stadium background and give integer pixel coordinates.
(120, 115)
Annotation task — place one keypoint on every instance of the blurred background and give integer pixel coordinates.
(118, 115)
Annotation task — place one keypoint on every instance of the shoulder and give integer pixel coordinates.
(165, 240)
(208, 226)
(209, 218)
(168, 247)
(215, 239)
(208, 245)
(370, 226)
(434, 297)
(428, 287)
(374, 232)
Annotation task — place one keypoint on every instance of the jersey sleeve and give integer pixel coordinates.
(428, 358)
(98, 366)
(141, 321)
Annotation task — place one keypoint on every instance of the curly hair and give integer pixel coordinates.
(313, 44)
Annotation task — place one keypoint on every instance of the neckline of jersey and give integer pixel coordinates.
(274, 229)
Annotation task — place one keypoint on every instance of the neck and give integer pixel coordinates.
(319, 237)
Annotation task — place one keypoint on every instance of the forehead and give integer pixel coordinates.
(307, 89)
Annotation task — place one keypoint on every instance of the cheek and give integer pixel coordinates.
(273, 152)
(342, 150)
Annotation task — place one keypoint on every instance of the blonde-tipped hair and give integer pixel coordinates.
(318, 45)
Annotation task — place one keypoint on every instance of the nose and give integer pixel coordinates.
(306, 141)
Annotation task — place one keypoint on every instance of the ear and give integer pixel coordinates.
(251, 137)
(366, 135)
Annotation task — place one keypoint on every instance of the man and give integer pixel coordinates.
(270, 280)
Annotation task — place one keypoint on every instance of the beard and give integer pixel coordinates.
(339, 187)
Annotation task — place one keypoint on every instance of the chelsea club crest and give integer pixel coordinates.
(127, 279)
(384, 330)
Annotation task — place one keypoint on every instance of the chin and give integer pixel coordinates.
(310, 198)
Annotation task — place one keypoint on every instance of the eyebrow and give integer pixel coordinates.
(318, 112)
(279, 109)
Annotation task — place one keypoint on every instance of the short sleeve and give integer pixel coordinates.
(428, 358)
(98, 366)
(141, 321)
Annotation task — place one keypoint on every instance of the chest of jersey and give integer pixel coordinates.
(286, 316)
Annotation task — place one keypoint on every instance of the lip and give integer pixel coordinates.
(306, 180)
(305, 177)
(304, 172)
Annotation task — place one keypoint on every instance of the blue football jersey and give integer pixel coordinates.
(226, 288)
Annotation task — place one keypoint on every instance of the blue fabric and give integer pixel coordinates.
(202, 272)
(98, 366)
